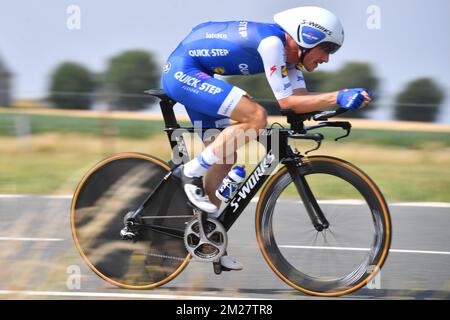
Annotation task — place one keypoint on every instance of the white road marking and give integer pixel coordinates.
(422, 204)
(28, 239)
(338, 201)
(37, 196)
(362, 249)
(419, 251)
(256, 199)
(360, 202)
(118, 295)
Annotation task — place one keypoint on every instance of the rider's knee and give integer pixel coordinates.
(250, 113)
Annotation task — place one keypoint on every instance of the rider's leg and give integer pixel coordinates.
(202, 94)
(215, 175)
(218, 171)
(250, 117)
(213, 179)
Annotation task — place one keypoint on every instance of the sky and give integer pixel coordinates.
(402, 39)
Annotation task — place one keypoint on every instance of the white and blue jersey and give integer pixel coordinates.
(227, 48)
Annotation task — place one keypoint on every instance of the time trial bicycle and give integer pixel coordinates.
(322, 224)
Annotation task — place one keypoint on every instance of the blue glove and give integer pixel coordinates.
(351, 98)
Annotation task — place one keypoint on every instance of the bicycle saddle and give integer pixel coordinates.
(159, 93)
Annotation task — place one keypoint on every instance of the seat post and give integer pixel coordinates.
(179, 150)
(168, 114)
(166, 104)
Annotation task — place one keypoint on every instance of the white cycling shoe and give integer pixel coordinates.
(230, 263)
(198, 199)
(193, 187)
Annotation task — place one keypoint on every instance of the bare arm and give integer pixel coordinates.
(303, 101)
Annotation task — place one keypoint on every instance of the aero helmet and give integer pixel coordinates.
(311, 26)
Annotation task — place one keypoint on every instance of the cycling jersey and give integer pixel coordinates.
(227, 48)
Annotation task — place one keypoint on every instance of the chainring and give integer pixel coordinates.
(212, 247)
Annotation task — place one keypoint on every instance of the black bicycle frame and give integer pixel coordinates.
(255, 180)
(282, 153)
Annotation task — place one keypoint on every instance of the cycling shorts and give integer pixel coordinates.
(209, 101)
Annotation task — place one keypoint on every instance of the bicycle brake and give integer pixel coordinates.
(316, 148)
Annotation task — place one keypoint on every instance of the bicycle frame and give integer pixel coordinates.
(273, 156)
(255, 180)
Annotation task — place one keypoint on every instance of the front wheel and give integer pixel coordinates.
(339, 259)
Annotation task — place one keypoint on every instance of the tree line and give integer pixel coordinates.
(129, 74)
(121, 86)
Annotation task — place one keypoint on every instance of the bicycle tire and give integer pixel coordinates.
(109, 190)
(272, 251)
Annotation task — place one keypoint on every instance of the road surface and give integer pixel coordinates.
(39, 260)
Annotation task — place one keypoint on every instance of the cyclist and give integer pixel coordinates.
(300, 39)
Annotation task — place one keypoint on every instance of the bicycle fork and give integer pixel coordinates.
(309, 201)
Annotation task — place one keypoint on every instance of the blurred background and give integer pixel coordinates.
(60, 64)
(72, 76)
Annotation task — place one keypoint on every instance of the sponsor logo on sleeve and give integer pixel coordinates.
(284, 71)
(272, 70)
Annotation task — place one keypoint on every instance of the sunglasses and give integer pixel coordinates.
(329, 47)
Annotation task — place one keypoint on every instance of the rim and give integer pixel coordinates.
(73, 227)
(357, 271)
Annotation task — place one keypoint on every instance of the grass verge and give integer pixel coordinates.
(53, 163)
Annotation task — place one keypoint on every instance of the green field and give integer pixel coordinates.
(407, 166)
(144, 129)
(9, 123)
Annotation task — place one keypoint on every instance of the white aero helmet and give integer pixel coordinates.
(311, 26)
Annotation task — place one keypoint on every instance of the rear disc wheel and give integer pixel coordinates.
(107, 193)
